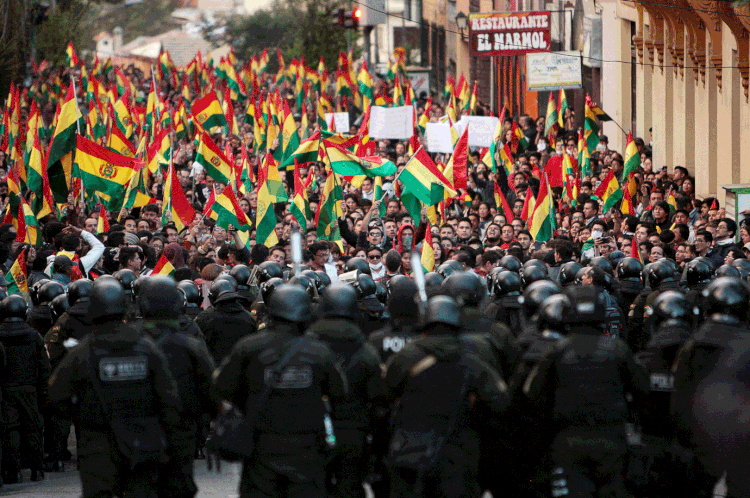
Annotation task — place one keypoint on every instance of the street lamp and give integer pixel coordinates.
(462, 21)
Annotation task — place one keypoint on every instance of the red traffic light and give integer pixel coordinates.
(357, 14)
(351, 19)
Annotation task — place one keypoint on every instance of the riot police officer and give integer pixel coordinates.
(372, 309)
(359, 361)
(533, 297)
(191, 300)
(583, 382)
(226, 321)
(404, 315)
(628, 273)
(40, 316)
(660, 277)
(507, 307)
(241, 274)
(434, 450)
(191, 366)
(112, 364)
(287, 460)
(24, 390)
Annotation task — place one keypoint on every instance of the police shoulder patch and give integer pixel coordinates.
(123, 368)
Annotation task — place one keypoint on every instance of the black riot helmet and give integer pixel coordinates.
(507, 283)
(510, 263)
(339, 301)
(645, 276)
(532, 274)
(533, 263)
(568, 272)
(108, 300)
(449, 268)
(191, 293)
(629, 269)
(241, 274)
(433, 282)
(708, 261)
(268, 270)
(360, 264)
(616, 257)
(491, 276)
(697, 272)
(3, 293)
(381, 293)
(13, 308)
(160, 298)
(588, 304)
(401, 293)
(221, 290)
(442, 310)
(364, 285)
(49, 291)
(267, 287)
(306, 283)
(465, 287)
(603, 263)
(126, 278)
(741, 263)
(136, 286)
(659, 272)
(80, 290)
(535, 294)
(291, 303)
(671, 305)
(728, 271)
(228, 278)
(552, 313)
(34, 290)
(58, 306)
(313, 276)
(324, 279)
(727, 297)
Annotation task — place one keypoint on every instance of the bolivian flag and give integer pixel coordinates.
(543, 224)
(102, 223)
(226, 211)
(104, 171)
(213, 160)
(207, 111)
(423, 179)
(345, 163)
(176, 203)
(60, 153)
(163, 267)
(428, 253)
(71, 53)
(609, 191)
(265, 218)
(307, 152)
(300, 207)
(17, 277)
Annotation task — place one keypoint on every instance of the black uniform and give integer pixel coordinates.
(223, 325)
(24, 395)
(507, 310)
(287, 460)
(432, 379)
(187, 325)
(144, 389)
(393, 338)
(40, 318)
(583, 382)
(359, 361)
(191, 366)
(497, 335)
(637, 334)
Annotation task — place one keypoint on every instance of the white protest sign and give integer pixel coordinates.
(438, 138)
(395, 123)
(481, 129)
(340, 121)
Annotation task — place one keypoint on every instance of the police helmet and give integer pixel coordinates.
(14, 308)
(267, 287)
(708, 261)
(241, 274)
(160, 298)
(49, 291)
(401, 293)
(672, 305)
(727, 296)
(616, 257)
(304, 282)
(491, 276)
(744, 272)
(191, 293)
(741, 263)
(533, 263)
(603, 263)
(136, 286)
(364, 285)
(449, 268)
(80, 290)
(552, 313)
(290, 302)
(268, 270)
(535, 294)
(660, 272)
(228, 278)
(34, 290)
(3, 293)
(360, 264)
(629, 269)
(58, 306)
(697, 272)
(126, 278)
(381, 293)
(442, 310)
(324, 279)
(728, 271)
(108, 300)
(221, 290)
(645, 277)
(588, 305)
(510, 263)
(312, 276)
(339, 301)
(507, 283)
(532, 274)
(433, 282)
(568, 272)
(465, 287)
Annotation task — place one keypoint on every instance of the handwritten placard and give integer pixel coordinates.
(396, 123)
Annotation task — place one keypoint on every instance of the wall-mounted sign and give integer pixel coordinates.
(553, 71)
(509, 33)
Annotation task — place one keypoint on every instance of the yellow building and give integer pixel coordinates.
(686, 62)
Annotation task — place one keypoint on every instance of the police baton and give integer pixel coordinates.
(296, 243)
(417, 271)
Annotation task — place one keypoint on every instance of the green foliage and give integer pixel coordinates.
(298, 28)
(62, 26)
